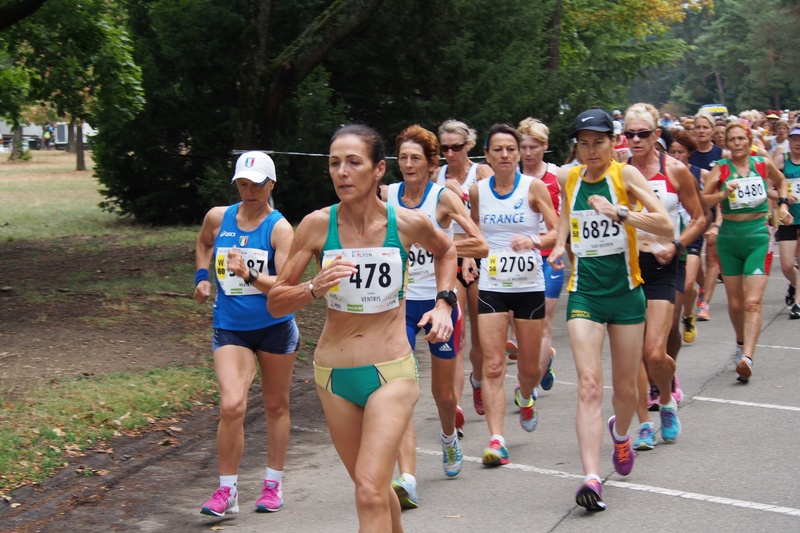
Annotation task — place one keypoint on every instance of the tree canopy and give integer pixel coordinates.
(204, 78)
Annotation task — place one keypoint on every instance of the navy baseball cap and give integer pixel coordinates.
(593, 120)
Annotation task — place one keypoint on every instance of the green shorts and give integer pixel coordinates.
(627, 308)
(356, 384)
(743, 247)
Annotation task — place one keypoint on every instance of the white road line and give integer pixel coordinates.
(641, 488)
(748, 404)
(778, 347)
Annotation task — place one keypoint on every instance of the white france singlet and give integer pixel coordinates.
(421, 276)
(500, 218)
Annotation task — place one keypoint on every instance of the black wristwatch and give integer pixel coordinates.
(448, 296)
(783, 200)
(253, 275)
(679, 248)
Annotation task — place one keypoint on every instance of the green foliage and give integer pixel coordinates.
(172, 161)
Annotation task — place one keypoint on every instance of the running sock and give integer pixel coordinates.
(447, 441)
(274, 475)
(590, 477)
(739, 343)
(617, 436)
(671, 405)
(229, 481)
(409, 478)
(525, 402)
(476, 383)
(499, 438)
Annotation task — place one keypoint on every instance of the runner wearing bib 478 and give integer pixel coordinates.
(365, 371)
(741, 185)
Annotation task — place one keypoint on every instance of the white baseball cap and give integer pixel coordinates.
(255, 166)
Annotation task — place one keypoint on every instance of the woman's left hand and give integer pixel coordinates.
(524, 243)
(441, 322)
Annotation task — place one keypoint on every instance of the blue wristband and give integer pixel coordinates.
(200, 275)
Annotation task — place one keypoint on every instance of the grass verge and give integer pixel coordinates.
(64, 420)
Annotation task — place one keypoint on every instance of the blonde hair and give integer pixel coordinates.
(456, 126)
(533, 127)
(705, 115)
(641, 111)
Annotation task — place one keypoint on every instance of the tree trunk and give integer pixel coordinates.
(71, 136)
(267, 85)
(554, 27)
(81, 162)
(12, 11)
(16, 143)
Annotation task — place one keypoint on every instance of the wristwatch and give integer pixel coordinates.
(447, 296)
(622, 213)
(253, 275)
(679, 248)
(783, 200)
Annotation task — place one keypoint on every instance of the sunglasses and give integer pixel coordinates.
(454, 147)
(641, 134)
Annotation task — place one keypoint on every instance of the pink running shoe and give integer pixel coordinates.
(703, 312)
(459, 422)
(221, 502)
(512, 349)
(477, 397)
(623, 452)
(271, 499)
(677, 393)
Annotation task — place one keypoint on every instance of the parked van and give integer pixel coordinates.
(716, 110)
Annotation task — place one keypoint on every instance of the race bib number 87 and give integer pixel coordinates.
(233, 285)
(374, 287)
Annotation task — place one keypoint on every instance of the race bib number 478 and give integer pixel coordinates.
(376, 284)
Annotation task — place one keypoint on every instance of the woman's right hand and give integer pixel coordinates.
(711, 235)
(202, 291)
(555, 258)
(331, 274)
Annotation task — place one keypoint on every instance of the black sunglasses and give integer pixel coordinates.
(453, 147)
(641, 134)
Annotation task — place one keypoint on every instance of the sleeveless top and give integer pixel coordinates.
(380, 282)
(472, 177)
(792, 173)
(421, 276)
(551, 180)
(606, 254)
(706, 160)
(500, 218)
(667, 194)
(239, 306)
(751, 194)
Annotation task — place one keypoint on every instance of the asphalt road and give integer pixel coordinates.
(735, 466)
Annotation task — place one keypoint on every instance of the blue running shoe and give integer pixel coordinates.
(647, 437)
(452, 459)
(528, 417)
(406, 492)
(549, 377)
(590, 496)
(495, 455)
(670, 425)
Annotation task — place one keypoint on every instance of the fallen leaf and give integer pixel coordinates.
(58, 432)
(175, 428)
(15, 505)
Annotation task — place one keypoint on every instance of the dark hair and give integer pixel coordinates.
(370, 137)
(502, 128)
(685, 139)
(424, 138)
